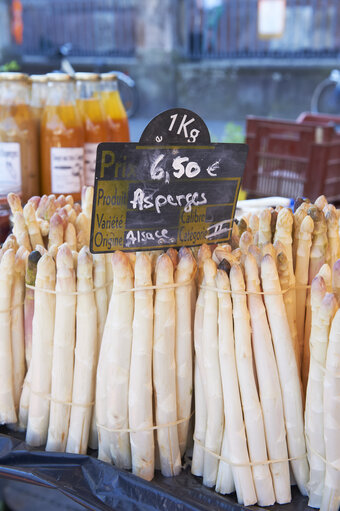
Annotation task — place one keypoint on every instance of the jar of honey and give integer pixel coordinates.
(117, 120)
(18, 138)
(61, 139)
(38, 95)
(92, 113)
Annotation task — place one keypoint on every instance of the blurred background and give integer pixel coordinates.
(224, 59)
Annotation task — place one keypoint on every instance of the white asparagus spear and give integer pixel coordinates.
(32, 225)
(71, 236)
(283, 233)
(333, 235)
(83, 227)
(56, 232)
(225, 478)
(318, 253)
(99, 281)
(254, 223)
(7, 405)
(299, 215)
(60, 201)
(265, 232)
(301, 278)
(315, 303)
(256, 252)
(87, 200)
(184, 343)
(288, 372)
(63, 351)
(85, 357)
(336, 279)
(212, 377)
(164, 369)
(42, 348)
(252, 411)
(283, 271)
(31, 272)
(245, 241)
(17, 326)
(71, 214)
(42, 250)
(140, 386)
(14, 203)
(331, 493)
(200, 400)
(109, 276)
(268, 248)
(314, 398)
(20, 231)
(119, 357)
(173, 254)
(269, 384)
(10, 242)
(101, 381)
(237, 442)
(197, 463)
(25, 401)
(321, 202)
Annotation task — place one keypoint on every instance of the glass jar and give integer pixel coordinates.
(61, 139)
(18, 138)
(38, 95)
(118, 125)
(92, 113)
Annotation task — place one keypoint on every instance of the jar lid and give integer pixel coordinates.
(87, 77)
(38, 78)
(108, 77)
(59, 77)
(13, 76)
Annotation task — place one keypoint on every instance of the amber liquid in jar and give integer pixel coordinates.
(18, 139)
(61, 140)
(37, 103)
(118, 124)
(94, 121)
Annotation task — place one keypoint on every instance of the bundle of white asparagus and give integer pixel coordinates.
(254, 328)
(143, 348)
(145, 369)
(53, 310)
(249, 418)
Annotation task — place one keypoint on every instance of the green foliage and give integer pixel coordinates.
(10, 66)
(233, 133)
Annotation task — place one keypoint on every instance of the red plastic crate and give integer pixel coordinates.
(292, 159)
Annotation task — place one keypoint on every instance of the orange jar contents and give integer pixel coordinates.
(38, 100)
(117, 120)
(93, 117)
(61, 139)
(18, 138)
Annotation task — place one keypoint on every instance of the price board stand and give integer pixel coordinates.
(174, 188)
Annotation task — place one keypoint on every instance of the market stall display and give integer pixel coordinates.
(250, 419)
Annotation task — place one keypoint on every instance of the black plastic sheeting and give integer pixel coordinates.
(99, 486)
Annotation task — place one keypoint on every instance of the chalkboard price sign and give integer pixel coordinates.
(172, 189)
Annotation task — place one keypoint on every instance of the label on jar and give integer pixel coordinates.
(10, 168)
(67, 166)
(90, 150)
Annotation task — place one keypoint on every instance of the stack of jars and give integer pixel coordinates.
(50, 126)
